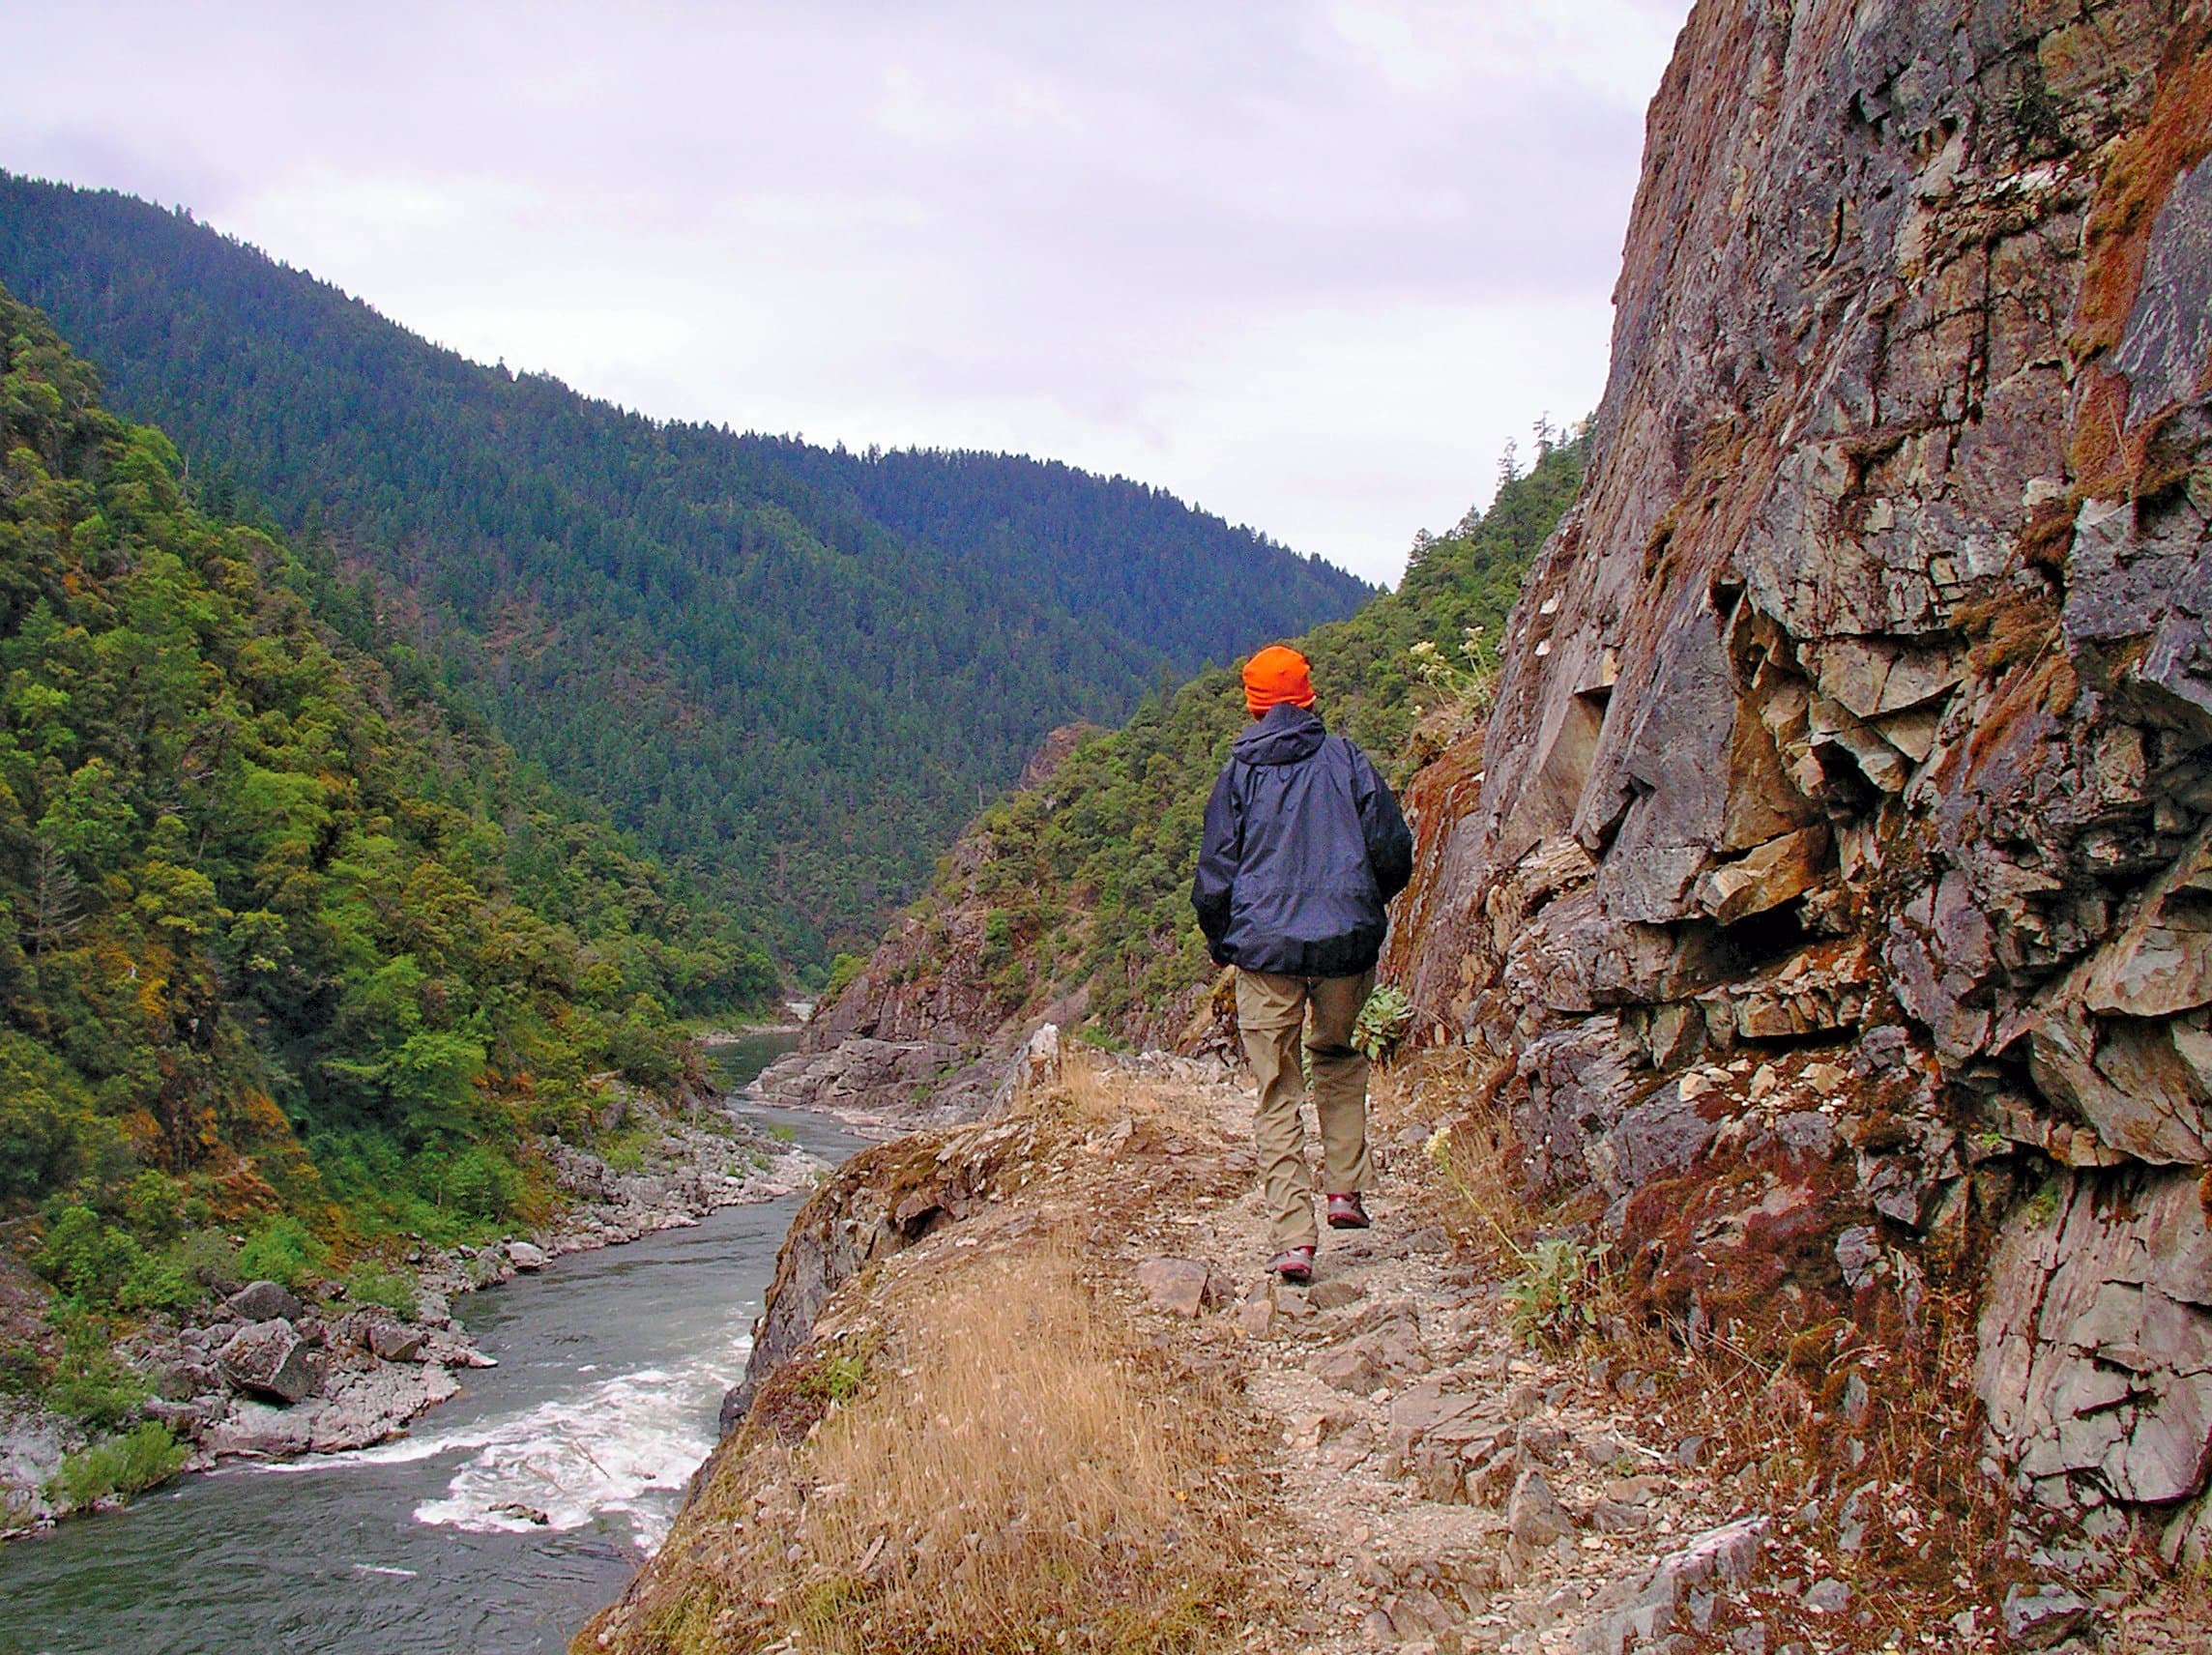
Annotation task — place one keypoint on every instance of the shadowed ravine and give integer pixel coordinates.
(612, 1365)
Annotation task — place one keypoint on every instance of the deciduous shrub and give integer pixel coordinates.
(120, 1465)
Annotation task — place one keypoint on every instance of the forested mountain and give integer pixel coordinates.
(1077, 891)
(286, 939)
(788, 670)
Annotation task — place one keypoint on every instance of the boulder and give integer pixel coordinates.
(526, 1257)
(182, 1381)
(268, 1360)
(265, 1301)
(261, 1431)
(395, 1341)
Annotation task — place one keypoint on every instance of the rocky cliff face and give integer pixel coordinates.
(1836, 897)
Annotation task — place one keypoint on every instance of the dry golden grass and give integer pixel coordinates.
(982, 1451)
(1009, 1481)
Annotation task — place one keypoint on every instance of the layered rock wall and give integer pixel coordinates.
(1838, 884)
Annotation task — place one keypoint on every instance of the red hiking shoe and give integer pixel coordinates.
(1345, 1212)
(1294, 1264)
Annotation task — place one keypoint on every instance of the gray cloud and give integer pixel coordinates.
(1309, 264)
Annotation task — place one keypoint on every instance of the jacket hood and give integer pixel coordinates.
(1288, 735)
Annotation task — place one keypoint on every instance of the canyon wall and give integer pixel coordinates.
(1835, 897)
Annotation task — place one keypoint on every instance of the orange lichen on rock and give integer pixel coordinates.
(2107, 457)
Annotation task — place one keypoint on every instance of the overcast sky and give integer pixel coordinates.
(1308, 265)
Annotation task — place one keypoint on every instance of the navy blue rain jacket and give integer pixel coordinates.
(1303, 846)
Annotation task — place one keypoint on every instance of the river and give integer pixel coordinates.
(612, 1366)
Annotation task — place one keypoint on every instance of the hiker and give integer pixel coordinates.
(1303, 845)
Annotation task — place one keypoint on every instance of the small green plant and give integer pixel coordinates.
(1555, 1295)
(1382, 1023)
(2042, 1206)
(118, 1466)
(283, 1250)
(783, 1134)
(1098, 1036)
(390, 1289)
(1558, 1284)
(838, 1377)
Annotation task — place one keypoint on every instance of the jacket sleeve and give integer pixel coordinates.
(1219, 848)
(1389, 842)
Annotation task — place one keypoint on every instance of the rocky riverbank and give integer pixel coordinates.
(268, 1372)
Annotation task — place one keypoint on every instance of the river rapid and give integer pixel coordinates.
(612, 1366)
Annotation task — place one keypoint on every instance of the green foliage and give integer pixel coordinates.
(1555, 1295)
(1382, 1023)
(295, 944)
(89, 1383)
(120, 1465)
(284, 1251)
(842, 971)
(1087, 878)
(392, 1289)
(88, 1260)
(209, 1259)
(788, 668)
(158, 1282)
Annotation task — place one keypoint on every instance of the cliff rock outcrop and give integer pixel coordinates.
(1859, 721)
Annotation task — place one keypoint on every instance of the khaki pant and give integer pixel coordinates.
(1270, 1014)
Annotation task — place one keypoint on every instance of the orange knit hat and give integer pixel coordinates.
(1275, 674)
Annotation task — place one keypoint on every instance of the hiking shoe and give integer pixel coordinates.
(1294, 1264)
(1345, 1212)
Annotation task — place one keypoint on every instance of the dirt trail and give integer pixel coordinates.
(1443, 1483)
(1379, 1461)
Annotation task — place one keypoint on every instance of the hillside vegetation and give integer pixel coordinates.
(295, 954)
(787, 670)
(1079, 885)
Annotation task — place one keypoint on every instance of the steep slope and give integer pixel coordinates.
(790, 670)
(1070, 899)
(1830, 911)
(292, 950)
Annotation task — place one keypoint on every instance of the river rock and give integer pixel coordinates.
(526, 1257)
(265, 1301)
(374, 1404)
(258, 1430)
(267, 1358)
(395, 1341)
(185, 1378)
(909, 1081)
